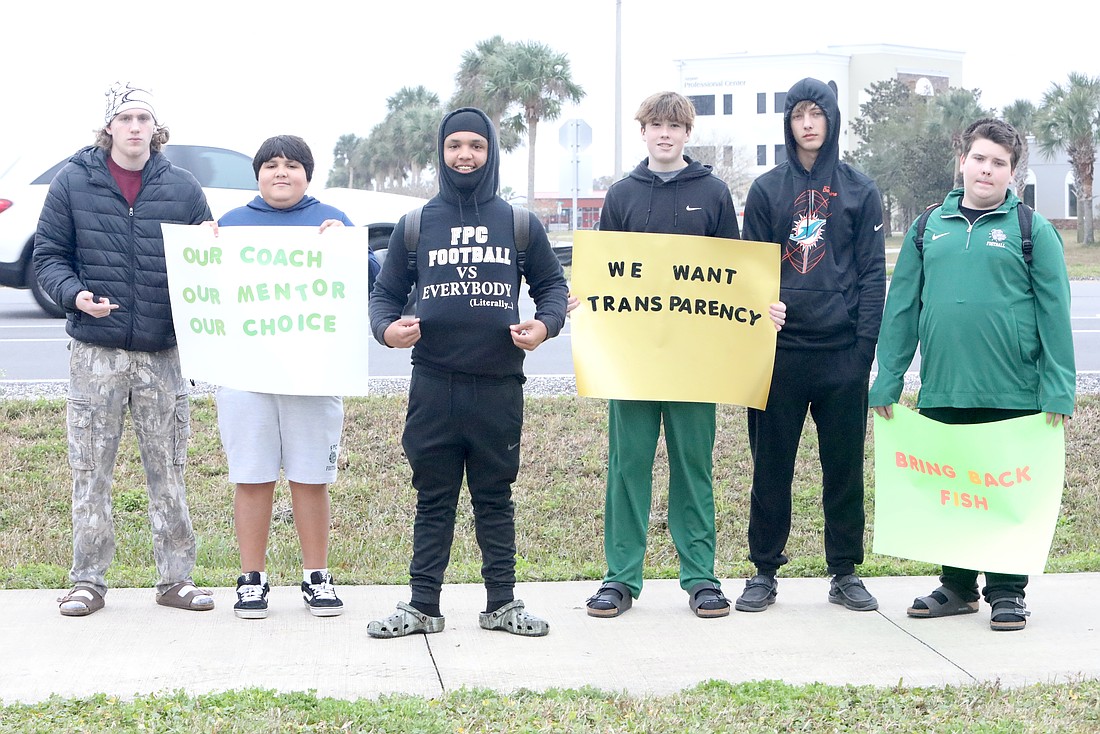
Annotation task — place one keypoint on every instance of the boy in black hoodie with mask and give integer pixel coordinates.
(828, 219)
(465, 409)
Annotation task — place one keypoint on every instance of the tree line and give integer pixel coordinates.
(911, 143)
(517, 84)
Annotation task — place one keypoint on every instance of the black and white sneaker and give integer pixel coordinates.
(319, 594)
(251, 597)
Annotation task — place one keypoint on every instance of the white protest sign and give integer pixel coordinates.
(271, 309)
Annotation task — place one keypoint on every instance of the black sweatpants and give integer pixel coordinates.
(832, 386)
(459, 423)
(964, 581)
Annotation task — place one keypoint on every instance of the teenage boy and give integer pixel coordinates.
(465, 412)
(828, 219)
(99, 253)
(300, 434)
(994, 332)
(653, 199)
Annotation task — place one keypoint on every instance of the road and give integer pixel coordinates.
(33, 347)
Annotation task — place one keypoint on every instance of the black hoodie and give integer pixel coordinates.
(829, 223)
(694, 203)
(468, 276)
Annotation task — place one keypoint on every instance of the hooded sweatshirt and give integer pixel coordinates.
(693, 203)
(828, 221)
(467, 275)
(308, 212)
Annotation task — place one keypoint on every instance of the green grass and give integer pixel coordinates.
(559, 501)
(709, 707)
(559, 511)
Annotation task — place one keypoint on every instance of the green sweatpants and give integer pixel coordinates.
(633, 429)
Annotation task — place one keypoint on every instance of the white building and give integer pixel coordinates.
(739, 98)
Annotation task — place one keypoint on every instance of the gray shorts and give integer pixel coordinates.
(262, 432)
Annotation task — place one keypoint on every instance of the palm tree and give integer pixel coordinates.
(958, 108)
(539, 79)
(474, 87)
(343, 172)
(1069, 120)
(1021, 115)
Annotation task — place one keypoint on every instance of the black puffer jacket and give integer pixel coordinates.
(90, 239)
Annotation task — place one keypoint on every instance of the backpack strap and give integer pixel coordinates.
(922, 223)
(412, 235)
(521, 233)
(1025, 213)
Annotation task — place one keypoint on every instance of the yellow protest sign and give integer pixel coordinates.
(674, 317)
(271, 309)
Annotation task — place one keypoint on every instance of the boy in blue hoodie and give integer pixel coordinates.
(468, 339)
(827, 217)
(263, 432)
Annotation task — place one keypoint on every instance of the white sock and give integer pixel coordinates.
(308, 573)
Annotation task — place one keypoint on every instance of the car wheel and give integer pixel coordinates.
(42, 297)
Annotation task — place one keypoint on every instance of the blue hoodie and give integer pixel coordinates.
(306, 213)
(468, 277)
(829, 223)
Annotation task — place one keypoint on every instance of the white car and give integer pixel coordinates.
(227, 179)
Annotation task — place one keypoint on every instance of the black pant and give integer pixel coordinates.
(832, 386)
(459, 423)
(964, 581)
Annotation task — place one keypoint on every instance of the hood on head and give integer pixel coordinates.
(824, 97)
(489, 185)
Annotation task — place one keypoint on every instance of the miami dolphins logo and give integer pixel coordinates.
(806, 245)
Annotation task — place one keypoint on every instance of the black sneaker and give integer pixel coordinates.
(850, 591)
(251, 597)
(319, 594)
(759, 593)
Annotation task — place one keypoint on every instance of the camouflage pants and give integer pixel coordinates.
(103, 384)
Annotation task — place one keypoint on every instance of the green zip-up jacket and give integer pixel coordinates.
(993, 332)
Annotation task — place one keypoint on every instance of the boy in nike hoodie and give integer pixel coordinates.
(669, 193)
(465, 409)
(828, 219)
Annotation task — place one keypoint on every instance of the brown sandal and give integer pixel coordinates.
(80, 601)
(185, 595)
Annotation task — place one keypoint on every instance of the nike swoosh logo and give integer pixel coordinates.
(693, 208)
(941, 234)
(878, 227)
(512, 446)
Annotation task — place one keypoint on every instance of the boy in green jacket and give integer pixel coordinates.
(994, 332)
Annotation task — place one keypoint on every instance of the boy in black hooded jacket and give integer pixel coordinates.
(828, 219)
(669, 193)
(465, 409)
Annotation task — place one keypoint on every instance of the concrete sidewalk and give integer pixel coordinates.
(135, 647)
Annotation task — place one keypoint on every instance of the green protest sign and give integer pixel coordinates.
(981, 496)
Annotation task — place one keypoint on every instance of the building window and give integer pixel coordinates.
(1071, 194)
(704, 104)
(780, 101)
(1029, 195)
(761, 103)
(761, 155)
(727, 104)
(780, 154)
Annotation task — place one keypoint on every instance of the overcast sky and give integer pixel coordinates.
(233, 73)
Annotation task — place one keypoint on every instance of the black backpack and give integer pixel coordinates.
(1024, 212)
(521, 230)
